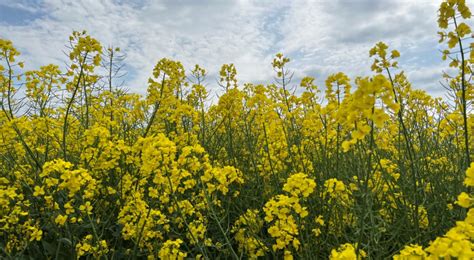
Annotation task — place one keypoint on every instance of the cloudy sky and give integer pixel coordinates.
(321, 37)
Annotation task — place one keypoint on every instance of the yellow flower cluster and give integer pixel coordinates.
(457, 242)
(339, 201)
(87, 246)
(284, 229)
(347, 251)
(247, 234)
(221, 178)
(170, 250)
(299, 185)
(285, 212)
(140, 222)
(411, 252)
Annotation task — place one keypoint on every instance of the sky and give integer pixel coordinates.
(320, 37)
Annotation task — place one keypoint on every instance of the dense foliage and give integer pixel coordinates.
(370, 168)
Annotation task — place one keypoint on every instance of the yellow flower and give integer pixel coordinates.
(36, 234)
(395, 54)
(411, 252)
(111, 190)
(346, 252)
(464, 200)
(346, 146)
(39, 191)
(288, 255)
(60, 220)
(469, 180)
(87, 207)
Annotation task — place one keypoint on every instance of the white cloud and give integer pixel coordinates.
(321, 37)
